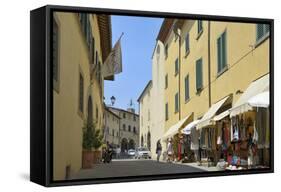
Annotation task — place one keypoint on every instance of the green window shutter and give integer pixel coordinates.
(166, 111)
(177, 66)
(219, 54)
(187, 42)
(223, 42)
(199, 75)
(260, 31)
(187, 87)
(266, 28)
(199, 26)
(177, 102)
(55, 50)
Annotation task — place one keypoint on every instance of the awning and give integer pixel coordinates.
(255, 88)
(188, 127)
(260, 100)
(174, 129)
(207, 118)
(221, 116)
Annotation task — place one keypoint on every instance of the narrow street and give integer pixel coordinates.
(132, 167)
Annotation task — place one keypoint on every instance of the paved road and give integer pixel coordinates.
(123, 168)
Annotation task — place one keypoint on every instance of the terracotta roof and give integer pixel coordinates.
(165, 29)
(114, 114)
(123, 110)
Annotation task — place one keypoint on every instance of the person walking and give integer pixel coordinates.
(170, 150)
(158, 150)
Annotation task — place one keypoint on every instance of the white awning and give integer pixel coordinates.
(260, 100)
(254, 89)
(174, 129)
(187, 129)
(207, 118)
(221, 116)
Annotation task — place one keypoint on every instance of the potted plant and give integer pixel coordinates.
(88, 139)
(97, 143)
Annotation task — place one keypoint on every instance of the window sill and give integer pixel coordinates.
(186, 53)
(261, 40)
(80, 114)
(187, 100)
(198, 91)
(199, 34)
(222, 71)
(176, 111)
(176, 74)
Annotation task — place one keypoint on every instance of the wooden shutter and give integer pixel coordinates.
(260, 31)
(219, 54)
(223, 42)
(187, 42)
(199, 75)
(55, 50)
(166, 111)
(187, 87)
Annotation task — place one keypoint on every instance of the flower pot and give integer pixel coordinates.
(97, 156)
(87, 159)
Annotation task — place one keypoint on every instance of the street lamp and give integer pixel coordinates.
(112, 99)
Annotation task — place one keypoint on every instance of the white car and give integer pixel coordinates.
(142, 152)
(131, 152)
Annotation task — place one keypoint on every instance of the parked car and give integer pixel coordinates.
(142, 152)
(131, 152)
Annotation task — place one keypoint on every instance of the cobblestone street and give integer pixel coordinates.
(132, 167)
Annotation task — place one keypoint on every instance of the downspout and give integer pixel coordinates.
(209, 62)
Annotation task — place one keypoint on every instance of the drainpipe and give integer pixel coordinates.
(209, 62)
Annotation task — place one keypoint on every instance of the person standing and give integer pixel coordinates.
(170, 150)
(158, 150)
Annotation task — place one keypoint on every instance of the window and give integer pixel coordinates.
(221, 49)
(97, 113)
(176, 102)
(176, 66)
(93, 51)
(166, 81)
(199, 26)
(55, 53)
(124, 115)
(187, 43)
(186, 86)
(113, 132)
(166, 51)
(81, 92)
(134, 118)
(166, 112)
(134, 129)
(262, 31)
(129, 129)
(199, 74)
(124, 127)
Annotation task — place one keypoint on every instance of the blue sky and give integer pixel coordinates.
(137, 44)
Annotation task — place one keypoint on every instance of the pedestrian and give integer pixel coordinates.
(118, 151)
(158, 150)
(170, 150)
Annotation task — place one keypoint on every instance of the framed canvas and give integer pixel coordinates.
(122, 95)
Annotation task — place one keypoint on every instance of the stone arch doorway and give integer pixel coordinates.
(149, 140)
(124, 145)
(90, 110)
(131, 144)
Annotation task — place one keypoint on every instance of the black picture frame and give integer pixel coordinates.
(41, 145)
